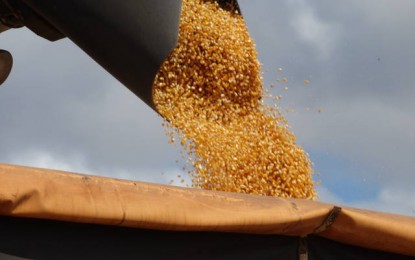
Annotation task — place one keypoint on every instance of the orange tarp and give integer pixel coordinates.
(58, 195)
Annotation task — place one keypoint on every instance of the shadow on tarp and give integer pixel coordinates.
(26, 238)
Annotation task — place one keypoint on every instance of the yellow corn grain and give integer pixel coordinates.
(209, 90)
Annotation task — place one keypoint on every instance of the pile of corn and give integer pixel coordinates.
(210, 90)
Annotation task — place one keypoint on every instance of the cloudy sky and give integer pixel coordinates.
(60, 110)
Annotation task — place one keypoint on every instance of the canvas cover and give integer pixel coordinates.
(33, 193)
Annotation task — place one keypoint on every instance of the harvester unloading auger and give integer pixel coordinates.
(130, 39)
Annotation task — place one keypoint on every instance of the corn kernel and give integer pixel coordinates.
(209, 90)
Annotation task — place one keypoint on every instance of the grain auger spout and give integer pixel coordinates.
(130, 39)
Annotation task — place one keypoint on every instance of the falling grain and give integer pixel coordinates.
(210, 90)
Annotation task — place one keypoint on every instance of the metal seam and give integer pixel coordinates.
(329, 220)
(303, 248)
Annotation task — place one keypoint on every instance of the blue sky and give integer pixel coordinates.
(60, 110)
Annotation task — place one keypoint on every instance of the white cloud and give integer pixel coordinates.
(76, 164)
(324, 195)
(390, 199)
(44, 159)
(166, 176)
(387, 12)
(363, 129)
(313, 30)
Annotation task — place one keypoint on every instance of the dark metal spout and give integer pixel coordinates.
(128, 38)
